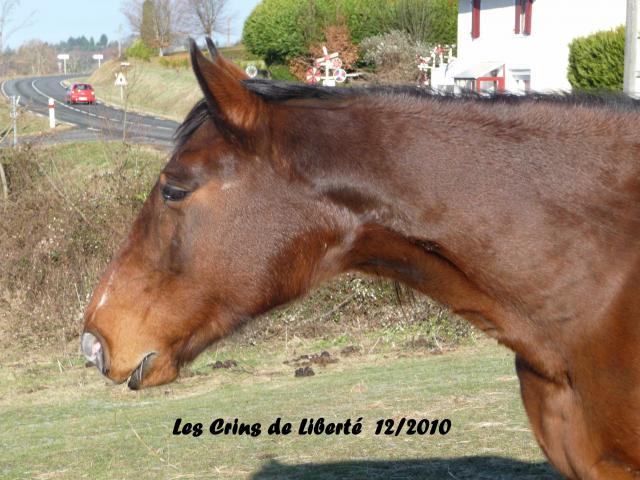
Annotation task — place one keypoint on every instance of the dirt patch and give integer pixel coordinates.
(304, 372)
(323, 358)
(225, 364)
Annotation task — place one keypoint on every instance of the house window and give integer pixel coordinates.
(475, 19)
(524, 11)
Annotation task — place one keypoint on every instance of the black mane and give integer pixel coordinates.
(278, 91)
(196, 117)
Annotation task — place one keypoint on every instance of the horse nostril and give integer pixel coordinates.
(93, 351)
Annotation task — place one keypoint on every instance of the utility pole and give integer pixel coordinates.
(228, 31)
(631, 49)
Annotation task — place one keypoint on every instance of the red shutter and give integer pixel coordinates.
(475, 19)
(518, 14)
(527, 16)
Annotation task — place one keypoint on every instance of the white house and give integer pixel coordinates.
(522, 45)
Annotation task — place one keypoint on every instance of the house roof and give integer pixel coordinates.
(482, 69)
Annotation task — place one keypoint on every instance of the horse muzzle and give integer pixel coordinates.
(94, 353)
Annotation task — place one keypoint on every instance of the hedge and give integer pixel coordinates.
(596, 62)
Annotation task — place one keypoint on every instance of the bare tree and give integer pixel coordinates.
(7, 11)
(203, 16)
(167, 18)
(132, 11)
(38, 57)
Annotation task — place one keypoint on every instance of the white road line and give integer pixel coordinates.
(2, 88)
(33, 85)
(93, 129)
(116, 121)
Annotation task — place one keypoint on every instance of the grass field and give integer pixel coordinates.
(152, 87)
(60, 420)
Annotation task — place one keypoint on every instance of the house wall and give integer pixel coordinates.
(545, 53)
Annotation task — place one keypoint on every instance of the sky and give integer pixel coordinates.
(56, 20)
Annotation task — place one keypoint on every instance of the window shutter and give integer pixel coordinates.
(475, 19)
(518, 15)
(527, 16)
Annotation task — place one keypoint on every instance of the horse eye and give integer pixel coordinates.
(173, 194)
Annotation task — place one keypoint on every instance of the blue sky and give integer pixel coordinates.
(56, 20)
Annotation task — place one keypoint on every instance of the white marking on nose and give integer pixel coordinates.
(103, 300)
(105, 295)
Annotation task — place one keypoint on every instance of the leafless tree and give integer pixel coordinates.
(203, 16)
(167, 20)
(38, 57)
(132, 11)
(7, 28)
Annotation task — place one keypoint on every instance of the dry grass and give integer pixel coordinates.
(71, 207)
(68, 210)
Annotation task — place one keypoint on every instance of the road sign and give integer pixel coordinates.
(251, 70)
(64, 57)
(99, 57)
(120, 80)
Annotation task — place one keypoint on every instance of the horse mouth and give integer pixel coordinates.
(134, 382)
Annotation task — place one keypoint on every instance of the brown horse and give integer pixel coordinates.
(522, 215)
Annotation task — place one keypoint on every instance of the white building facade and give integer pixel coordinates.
(523, 45)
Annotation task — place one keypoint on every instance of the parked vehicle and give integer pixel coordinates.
(80, 93)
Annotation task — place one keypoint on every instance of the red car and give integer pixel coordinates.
(80, 93)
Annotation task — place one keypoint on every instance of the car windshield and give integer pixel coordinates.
(83, 87)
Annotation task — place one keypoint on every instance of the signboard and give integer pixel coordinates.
(120, 80)
(63, 56)
(98, 56)
(251, 70)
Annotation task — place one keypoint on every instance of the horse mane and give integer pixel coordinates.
(279, 92)
(196, 117)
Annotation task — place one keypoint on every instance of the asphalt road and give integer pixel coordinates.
(91, 122)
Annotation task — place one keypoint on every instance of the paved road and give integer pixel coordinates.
(90, 121)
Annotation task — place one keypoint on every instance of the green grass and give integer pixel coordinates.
(61, 421)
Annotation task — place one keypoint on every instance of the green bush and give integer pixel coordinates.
(278, 30)
(366, 18)
(177, 63)
(140, 50)
(596, 62)
(281, 72)
(429, 21)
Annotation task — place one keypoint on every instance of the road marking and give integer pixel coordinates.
(33, 85)
(93, 129)
(116, 121)
(2, 88)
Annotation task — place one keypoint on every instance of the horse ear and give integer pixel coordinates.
(235, 111)
(231, 67)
